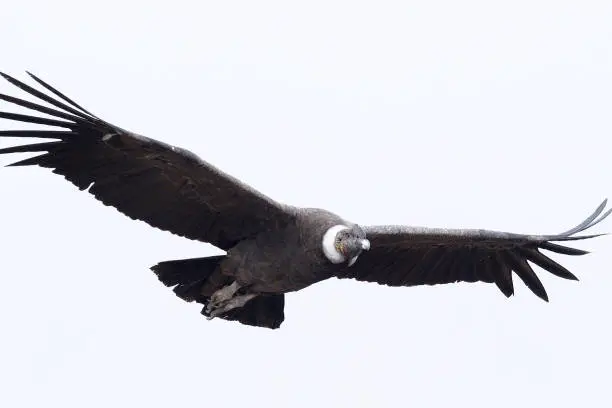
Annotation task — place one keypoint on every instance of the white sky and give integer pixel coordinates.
(458, 114)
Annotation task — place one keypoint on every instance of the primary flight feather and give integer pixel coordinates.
(271, 248)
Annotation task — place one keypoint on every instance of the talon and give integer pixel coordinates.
(222, 296)
(214, 314)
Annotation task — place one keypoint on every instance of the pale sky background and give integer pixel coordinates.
(459, 114)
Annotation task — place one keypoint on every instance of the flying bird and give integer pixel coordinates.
(270, 248)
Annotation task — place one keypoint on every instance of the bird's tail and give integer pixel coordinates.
(189, 276)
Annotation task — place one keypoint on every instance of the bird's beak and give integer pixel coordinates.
(365, 244)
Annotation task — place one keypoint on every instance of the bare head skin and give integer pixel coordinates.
(344, 244)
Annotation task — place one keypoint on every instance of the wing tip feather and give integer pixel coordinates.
(5, 76)
(593, 219)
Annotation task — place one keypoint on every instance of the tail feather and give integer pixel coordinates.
(188, 277)
(183, 271)
(263, 311)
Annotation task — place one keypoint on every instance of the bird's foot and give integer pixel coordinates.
(228, 305)
(221, 296)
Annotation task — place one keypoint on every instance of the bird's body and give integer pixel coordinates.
(270, 248)
(265, 262)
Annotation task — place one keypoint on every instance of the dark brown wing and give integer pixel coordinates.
(167, 187)
(408, 256)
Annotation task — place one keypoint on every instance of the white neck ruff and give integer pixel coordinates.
(329, 244)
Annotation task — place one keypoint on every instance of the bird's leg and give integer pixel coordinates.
(222, 295)
(232, 303)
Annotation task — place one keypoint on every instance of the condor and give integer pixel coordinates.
(270, 248)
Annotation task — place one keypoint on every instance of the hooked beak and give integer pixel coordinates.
(365, 244)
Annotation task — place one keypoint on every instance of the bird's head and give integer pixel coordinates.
(345, 244)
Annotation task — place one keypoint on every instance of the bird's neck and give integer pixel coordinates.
(329, 244)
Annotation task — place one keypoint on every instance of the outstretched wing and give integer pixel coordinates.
(409, 256)
(167, 187)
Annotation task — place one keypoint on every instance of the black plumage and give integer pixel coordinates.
(271, 248)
